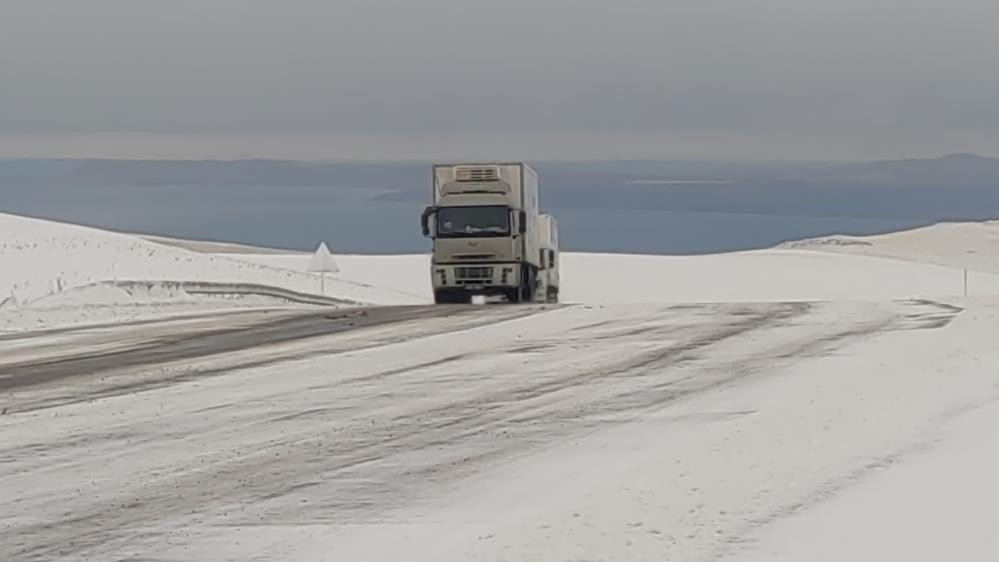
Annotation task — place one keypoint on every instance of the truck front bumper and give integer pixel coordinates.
(480, 278)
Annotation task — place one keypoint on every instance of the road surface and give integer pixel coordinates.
(449, 433)
(115, 348)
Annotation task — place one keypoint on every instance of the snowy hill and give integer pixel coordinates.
(757, 276)
(50, 270)
(53, 274)
(972, 245)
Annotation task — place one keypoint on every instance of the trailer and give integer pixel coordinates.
(549, 272)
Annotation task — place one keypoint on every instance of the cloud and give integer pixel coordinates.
(705, 78)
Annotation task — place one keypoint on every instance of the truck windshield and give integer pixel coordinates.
(463, 222)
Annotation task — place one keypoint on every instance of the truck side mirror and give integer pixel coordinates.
(523, 222)
(424, 220)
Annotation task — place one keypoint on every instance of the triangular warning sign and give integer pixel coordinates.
(322, 261)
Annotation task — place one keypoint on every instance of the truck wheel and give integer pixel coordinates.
(527, 286)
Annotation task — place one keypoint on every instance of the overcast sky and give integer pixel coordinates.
(532, 79)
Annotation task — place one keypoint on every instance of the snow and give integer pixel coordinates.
(757, 276)
(932, 499)
(972, 245)
(566, 436)
(39, 259)
(696, 480)
(831, 399)
(938, 505)
(100, 303)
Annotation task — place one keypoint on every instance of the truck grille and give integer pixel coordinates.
(480, 272)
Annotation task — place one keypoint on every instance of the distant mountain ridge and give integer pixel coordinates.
(950, 170)
(961, 169)
(956, 186)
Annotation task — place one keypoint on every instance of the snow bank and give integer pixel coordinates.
(107, 303)
(39, 259)
(759, 276)
(406, 275)
(972, 245)
(110, 295)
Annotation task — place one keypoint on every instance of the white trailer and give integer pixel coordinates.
(485, 230)
(549, 273)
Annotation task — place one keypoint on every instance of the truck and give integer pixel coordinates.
(487, 233)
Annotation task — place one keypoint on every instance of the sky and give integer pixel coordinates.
(519, 79)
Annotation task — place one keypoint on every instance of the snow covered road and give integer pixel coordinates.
(124, 357)
(578, 433)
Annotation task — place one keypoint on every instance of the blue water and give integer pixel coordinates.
(353, 220)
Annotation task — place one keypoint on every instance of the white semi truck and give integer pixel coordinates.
(488, 236)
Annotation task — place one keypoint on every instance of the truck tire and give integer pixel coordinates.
(552, 295)
(528, 285)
